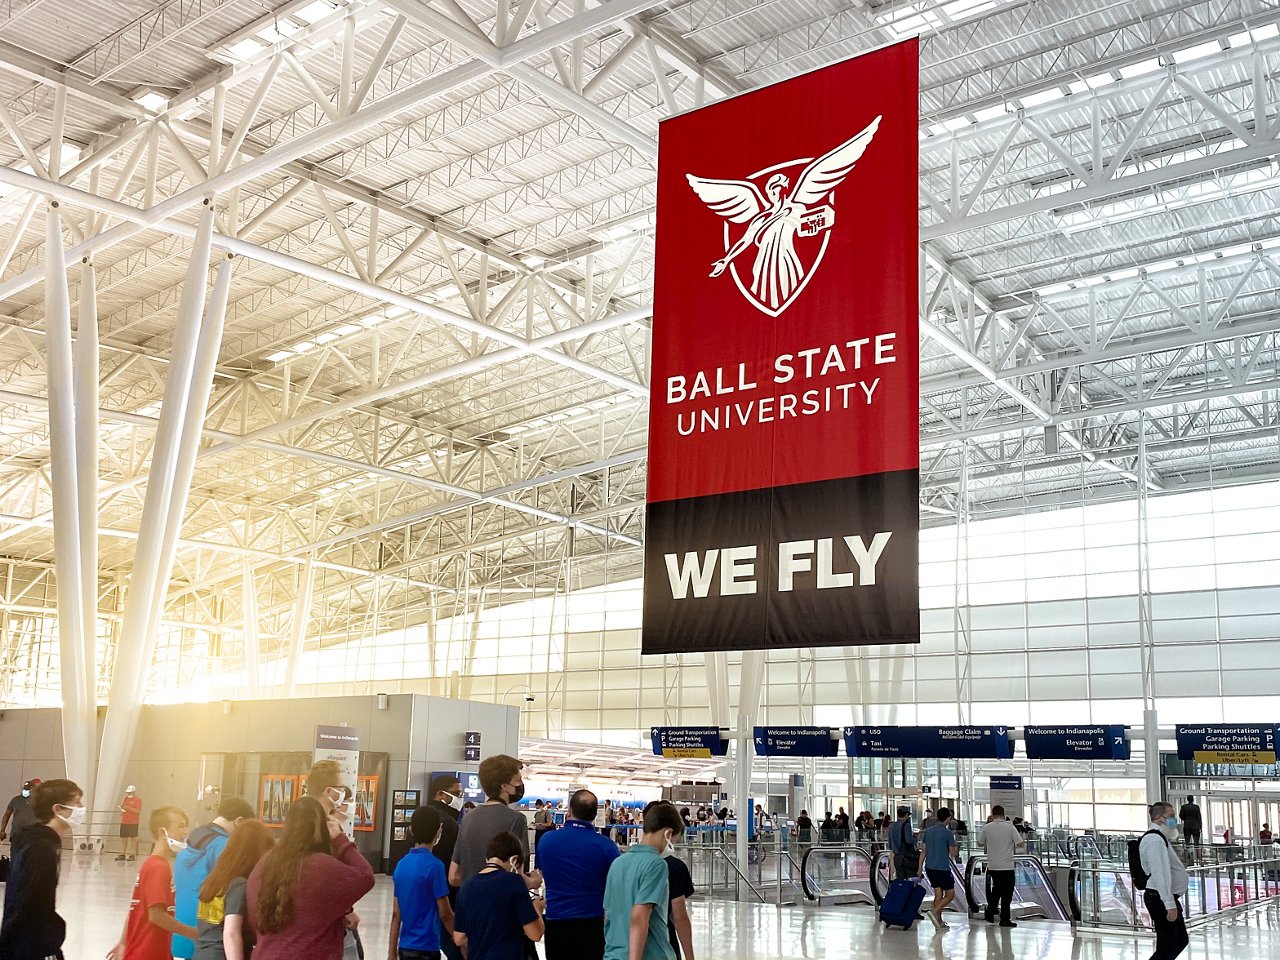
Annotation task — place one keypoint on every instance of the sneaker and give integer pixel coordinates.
(131, 859)
(989, 917)
(120, 859)
(1007, 923)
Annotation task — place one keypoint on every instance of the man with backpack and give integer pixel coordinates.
(195, 858)
(1158, 871)
(902, 843)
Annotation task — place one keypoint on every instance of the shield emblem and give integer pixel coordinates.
(810, 243)
(778, 222)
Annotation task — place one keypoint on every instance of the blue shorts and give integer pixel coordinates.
(941, 879)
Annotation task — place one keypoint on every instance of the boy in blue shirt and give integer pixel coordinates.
(937, 850)
(421, 905)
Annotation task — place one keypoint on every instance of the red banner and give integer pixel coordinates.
(784, 423)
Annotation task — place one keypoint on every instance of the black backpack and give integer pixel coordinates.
(1140, 876)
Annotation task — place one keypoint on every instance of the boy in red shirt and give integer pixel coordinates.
(151, 923)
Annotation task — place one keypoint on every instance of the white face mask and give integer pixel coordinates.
(75, 818)
(453, 802)
(26, 793)
(177, 846)
(341, 805)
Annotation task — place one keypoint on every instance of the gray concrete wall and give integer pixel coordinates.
(418, 733)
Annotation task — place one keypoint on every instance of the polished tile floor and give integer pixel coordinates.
(94, 897)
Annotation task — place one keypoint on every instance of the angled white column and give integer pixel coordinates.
(194, 410)
(301, 619)
(78, 724)
(249, 609)
(86, 416)
(149, 580)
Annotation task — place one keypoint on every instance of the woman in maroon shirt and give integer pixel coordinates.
(300, 893)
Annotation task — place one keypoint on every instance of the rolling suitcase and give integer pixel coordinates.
(902, 901)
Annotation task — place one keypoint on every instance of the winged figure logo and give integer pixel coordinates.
(789, 227)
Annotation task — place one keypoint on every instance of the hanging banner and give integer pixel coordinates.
(1104, 742)
(784, 413)
(929, 743)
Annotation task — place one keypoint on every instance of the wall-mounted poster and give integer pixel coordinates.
(364, 816)
(276, 794)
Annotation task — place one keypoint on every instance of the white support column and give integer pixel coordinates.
(249, 609)
(744, 747)
(148, 581)
(78, 724)
(86, 413)
(197, 403)
(1146, 631)
(750, 683)
(301, 618)
(1151, 754)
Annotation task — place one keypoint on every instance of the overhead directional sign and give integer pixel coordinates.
(1228, 742)
(688, 742)
(1104, 742)
(980, 743)
(795, 742)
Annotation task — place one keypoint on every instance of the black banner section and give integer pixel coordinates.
(820, 564)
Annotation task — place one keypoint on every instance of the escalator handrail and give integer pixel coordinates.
(1073, 877)
(818, 848)
(873, 881)
(969, 866)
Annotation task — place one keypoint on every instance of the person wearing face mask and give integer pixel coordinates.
(575, 862)
(495, 919)
(637, 893)
(327, 783)
(679, 889)
(150, 924)
(503, 784)
(421, 912)
(195, 862)
(1166, 882)
(32, 929)
(18, 814)
(446, 801)
(301, 893)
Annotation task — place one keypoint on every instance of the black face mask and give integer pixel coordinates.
(517, 794)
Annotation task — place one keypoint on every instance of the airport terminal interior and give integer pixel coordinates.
(800, 411)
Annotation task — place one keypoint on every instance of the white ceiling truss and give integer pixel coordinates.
(433, 373)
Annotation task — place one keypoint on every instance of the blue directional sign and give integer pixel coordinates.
(980, 743)
(1104, 742)
(1228, 742)
(795, 742)
(685, 742)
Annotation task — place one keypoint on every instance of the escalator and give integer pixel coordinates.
(837, 875)
(1037, 892)
(880, 884)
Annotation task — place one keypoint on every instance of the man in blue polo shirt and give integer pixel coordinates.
(421, 906)
(575, 864)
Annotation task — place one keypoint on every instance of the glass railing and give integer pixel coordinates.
(1215, 890)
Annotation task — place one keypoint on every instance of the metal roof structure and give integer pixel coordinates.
(431, 383)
